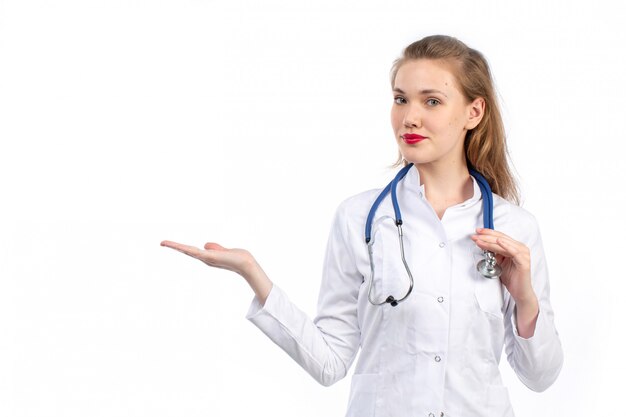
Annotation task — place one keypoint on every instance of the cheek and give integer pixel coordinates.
(396, 120)
(454, 122)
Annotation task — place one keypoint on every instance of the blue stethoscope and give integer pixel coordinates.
(488, 267)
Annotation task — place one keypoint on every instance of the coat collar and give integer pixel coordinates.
(411, 184)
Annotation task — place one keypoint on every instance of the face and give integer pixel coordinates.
(427, 102)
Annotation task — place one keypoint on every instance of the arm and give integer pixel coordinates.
(326, 346)
(532, 343)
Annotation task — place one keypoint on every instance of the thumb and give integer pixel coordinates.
(213, 246)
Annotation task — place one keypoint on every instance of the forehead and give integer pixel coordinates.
(423, 74)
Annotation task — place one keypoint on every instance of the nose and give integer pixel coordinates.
(412, 117)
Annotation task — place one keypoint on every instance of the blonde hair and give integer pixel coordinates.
(485, 145)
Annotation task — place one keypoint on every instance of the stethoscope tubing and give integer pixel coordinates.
(488, 195)
(488, 267)
(396, 208)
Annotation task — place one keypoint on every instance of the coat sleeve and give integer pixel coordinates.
(327, 345)
(537, 361)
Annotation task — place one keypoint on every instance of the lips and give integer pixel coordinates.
(411, 138)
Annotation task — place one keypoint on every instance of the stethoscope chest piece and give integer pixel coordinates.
(488, 267)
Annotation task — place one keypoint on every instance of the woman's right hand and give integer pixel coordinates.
(237, 260)
(213, 254)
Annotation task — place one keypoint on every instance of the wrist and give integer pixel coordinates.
(527, 301)
(249, 267)
(257, 279)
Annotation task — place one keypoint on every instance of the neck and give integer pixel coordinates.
(446, 186)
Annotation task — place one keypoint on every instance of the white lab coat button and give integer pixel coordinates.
(437, 358)
(440, 299)
(442, 244)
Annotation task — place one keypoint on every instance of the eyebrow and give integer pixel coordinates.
(426, 91)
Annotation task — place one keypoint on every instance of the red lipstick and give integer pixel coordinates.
(411, 138)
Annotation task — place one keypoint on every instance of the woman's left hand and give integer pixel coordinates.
(514, 258)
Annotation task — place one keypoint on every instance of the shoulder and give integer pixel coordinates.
(359, 202)
(361, 199)
(514, 220)
(351, 213)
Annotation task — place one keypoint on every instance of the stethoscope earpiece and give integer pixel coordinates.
(391, 301)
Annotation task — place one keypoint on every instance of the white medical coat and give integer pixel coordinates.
(437, 352)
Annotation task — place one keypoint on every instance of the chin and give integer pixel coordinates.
(416, 158)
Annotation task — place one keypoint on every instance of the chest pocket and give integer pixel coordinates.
(487, 292)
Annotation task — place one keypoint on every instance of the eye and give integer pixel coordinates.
(399, 100)
(431, 100)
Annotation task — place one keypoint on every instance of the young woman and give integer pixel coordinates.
(430, 323)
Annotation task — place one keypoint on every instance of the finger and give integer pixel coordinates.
(483, 231)
(493, 239)
(186, 249)
(502, 247)
(490, 246)
(483, 239)
(493, 244)
(496, 250)
(520, 256)
(213, 246)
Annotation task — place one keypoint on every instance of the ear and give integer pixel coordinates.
(476, 111)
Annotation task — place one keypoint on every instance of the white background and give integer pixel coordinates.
(124, 123)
